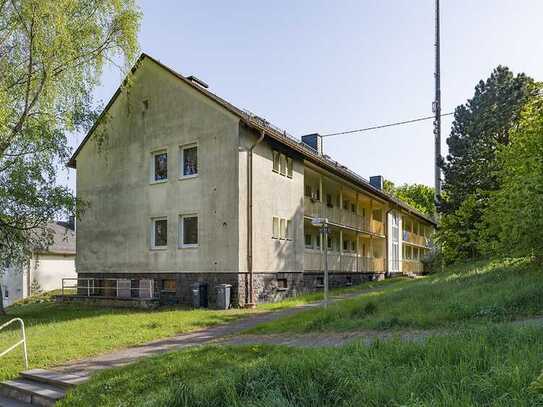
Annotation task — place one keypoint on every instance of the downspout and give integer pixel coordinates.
(251, 303)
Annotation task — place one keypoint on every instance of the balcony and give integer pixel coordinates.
(316, 209)
(413, 238)
(345, 262)
(412, 266)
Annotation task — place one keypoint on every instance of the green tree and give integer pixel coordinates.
(470, 170)
(419, 196)
(52, 54)
(513, 220)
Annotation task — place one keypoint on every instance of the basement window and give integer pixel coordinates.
(169, 286)
(159, 165)
(319, 282)
(282, 284)
(159, 233)
(348, 281)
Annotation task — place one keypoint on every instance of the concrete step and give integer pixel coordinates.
(5, 402)
(60, 379)
(31, 392)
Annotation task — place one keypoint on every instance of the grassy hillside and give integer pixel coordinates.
(467, 294)
(487, 366)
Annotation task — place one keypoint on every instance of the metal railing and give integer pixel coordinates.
(412, 266)
(345, 262)
(21, 342)
(317, 209)
(109, 288)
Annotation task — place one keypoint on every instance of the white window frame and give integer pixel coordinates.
(282, 228)
(276, 160)
(154, 153)
(276, 231)
(153, 221)
(290, 167)
(180, 242)
(283, 164)
(181, 160)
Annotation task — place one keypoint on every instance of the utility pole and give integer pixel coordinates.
(437, 110)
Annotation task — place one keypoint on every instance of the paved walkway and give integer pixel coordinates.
(79, 371)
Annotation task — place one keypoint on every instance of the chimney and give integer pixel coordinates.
(313, 141)
(377, 181)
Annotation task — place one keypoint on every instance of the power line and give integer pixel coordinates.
(420, 119)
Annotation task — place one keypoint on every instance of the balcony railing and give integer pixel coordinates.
(317, 209)
(345, 262)
(411, 237)
(412, 266)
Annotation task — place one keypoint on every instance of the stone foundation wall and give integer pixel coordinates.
(269, 287)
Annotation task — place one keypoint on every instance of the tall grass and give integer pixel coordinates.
(467, 294)
(491, 366)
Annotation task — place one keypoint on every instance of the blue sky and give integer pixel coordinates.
(323, 66)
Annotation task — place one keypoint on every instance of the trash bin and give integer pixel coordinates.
(199, 295)
(223, 296)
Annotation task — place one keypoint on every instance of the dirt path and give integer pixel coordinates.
(336, 339)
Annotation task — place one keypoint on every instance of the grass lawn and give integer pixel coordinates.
(490, 366)
(58, 333)
(464, 295)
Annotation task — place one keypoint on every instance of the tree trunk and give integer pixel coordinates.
(2, 311)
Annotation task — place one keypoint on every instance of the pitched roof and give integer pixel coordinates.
(261, 125)
(63, 239)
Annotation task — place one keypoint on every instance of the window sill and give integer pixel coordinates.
(159, 248)
(189, 246)
(183, 177)
(162, 181)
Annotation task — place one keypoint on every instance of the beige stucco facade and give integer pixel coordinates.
(160, 111)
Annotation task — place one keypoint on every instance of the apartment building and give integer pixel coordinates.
(183, 187)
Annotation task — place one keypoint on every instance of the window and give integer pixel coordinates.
(307, 191)
(348, 280)
(289, 167)
(319, 282)
(290, 231)
(159, 233)
(318, 242)
(169, 286)
(377, 215)
(283, 228)
(308, 241)
(329, 201)
(345, 245)
(189, 160)
(353, 245)
(282, 284)
(346, 205)
(275, 230)
(330, 242)
(282, 164)
(188, 230)
(159, 166)
(353, 208)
